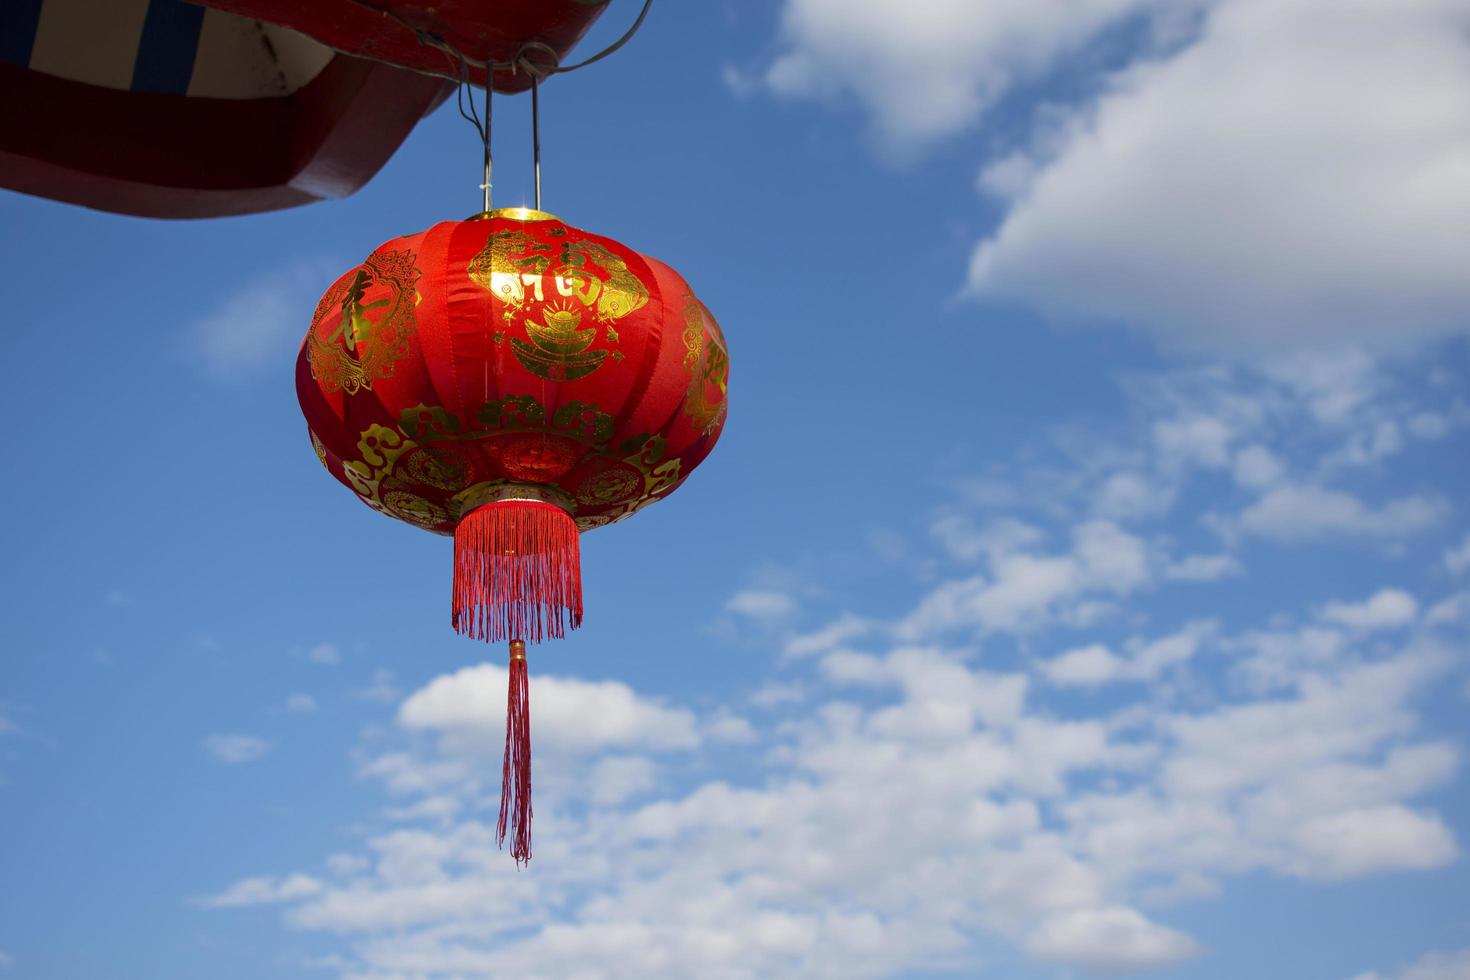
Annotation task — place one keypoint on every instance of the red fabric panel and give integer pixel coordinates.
(481, 31)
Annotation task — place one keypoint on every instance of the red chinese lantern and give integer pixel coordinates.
(512, 381)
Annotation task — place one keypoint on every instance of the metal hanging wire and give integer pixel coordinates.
(465, 93)
(536, 135)
(521, 62)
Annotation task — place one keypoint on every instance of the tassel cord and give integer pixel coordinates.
(515, 768)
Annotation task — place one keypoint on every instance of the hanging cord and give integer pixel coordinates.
(465, 93)
(537, 69)
(536, 135)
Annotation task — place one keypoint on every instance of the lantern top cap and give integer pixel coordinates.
(513, 214)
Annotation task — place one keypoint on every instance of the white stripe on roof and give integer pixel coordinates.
(92, 41)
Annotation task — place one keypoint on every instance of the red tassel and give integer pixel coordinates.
(517, 572)
(515, 770)
(517, 577)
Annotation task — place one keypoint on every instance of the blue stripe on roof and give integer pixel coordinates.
(18, 20)
(168, 46)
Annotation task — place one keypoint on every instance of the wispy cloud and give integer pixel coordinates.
(236, 749)
(263, 891)
(1457, 559)
(326, 654)
(1430, 966)
(923, 70)
(1300, 512)
(761, 604)
(1385, 609)
(383, 690)
(261, 323)
(299, 703)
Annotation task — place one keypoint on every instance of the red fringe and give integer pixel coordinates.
(517, 572)
(515, 770)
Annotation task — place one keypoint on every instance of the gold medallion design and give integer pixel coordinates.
(708, 363)
(364, 323)
(414, 509)
(550, 289)
(609, 486)
(319, 449)
(433, 469)
(430, 443)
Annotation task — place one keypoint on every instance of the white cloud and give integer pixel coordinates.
(1430, 966)
(382, 689)
(1368, 446)
(1204, 568)
(1127, 496)
(436, 809)
(1109, 939)
(1150, 658)
(261, 322)
(1340, 715)
(929, 68)
(730, 728)
(1089, 665)
(761, 604)
(746, 882)
(1385, 609)
(299, 703)
(347, 865)
(1428, 426)
(236, 749)
(964, 541)
(617, 778)
(1334, 383)
(1451, 609)
(896, 832)
(1024, 589)
(567, 714)
(1301, 512)
(1199, 439)
(1383, 838)
(775, 695)
(1457, 559)
(326, 654)
(1257, 467)
(839, 631)
(1299, 175)
(1146, 659)
(264, 891)
(1279, 657)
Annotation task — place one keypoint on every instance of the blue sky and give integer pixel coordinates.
(1081, 585)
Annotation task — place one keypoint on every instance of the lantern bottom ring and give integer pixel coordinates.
(478, 496)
